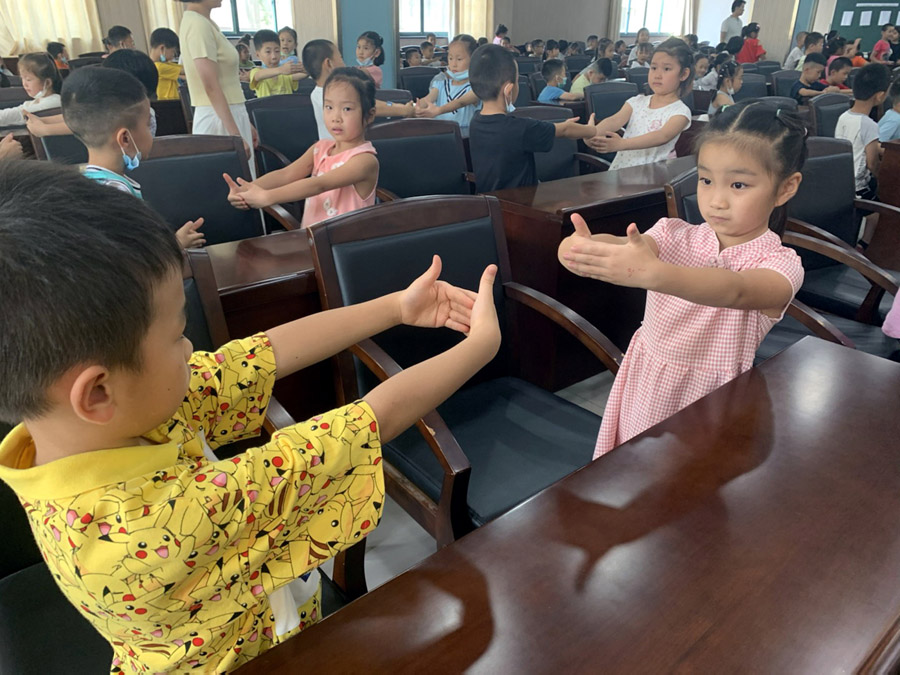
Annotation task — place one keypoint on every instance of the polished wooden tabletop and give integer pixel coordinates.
(560, 196)
(756, 531)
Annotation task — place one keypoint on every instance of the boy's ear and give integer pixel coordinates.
(91, 397)
(123, 137)
(788, 188)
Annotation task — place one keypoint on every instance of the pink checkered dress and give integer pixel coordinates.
(683, 350)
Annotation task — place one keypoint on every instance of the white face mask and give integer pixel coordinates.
(730, 91)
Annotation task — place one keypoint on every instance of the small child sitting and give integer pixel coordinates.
(869, 90)
(413, 57)
(554, 72)
(287, 36)
(790, 63)
(731, 77)
(428, 54)
(836, 73)
(108, 110)
(273, 79)
(597, 72)
(537, 49)
(502, 145)
(643, 37)
(701, 68)
(814, 44)
(245, 63)
(59, 54)
(710, 81)
(450, 96)
(642, 55)
(552, 50)
(335, 176)
(41, 81)
(164, 48)
(370, 55)
(889, 124)
(185, 562)
(807, 85)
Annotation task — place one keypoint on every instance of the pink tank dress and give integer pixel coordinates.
(683, 350)
(341, 200)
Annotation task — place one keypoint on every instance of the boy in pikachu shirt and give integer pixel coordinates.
(182, 561)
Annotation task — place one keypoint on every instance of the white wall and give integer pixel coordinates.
(124, 13)
(315, 19)
(775, 19)
(823, 15)
(545, 19)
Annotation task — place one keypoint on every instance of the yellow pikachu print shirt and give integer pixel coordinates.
(179, 561)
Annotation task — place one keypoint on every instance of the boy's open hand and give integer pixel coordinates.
(608, 141)
(430, 303)
(630, 265)
(188, 235)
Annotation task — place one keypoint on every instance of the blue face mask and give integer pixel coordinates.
(367, 62)
(63, 59)
(562, 82)
(464, 75)
(131, 163)
(162, 57)
(510, 108)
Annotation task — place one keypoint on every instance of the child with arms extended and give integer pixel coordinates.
(654, 122)
(183, 561)
(109, 111)
(334, 176)
(370, 55)
(450, 96)
(164, 48)
(714, 290)
(287, 36)
(273, 79)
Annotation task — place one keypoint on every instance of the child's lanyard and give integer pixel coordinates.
(461, 92)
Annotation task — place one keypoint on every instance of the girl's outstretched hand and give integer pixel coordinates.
(632, 264)
(426, 109)
(484, 327)
(608, 141)
(244, 194)
(430, 303)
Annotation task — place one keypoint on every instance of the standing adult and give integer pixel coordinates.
(731, 27)
(211, 70)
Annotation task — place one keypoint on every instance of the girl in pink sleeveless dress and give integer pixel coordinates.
(334, 176)
(715, 289)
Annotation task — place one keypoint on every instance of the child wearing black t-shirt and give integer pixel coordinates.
(503, 146)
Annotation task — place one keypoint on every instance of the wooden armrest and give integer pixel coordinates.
(284, 161)
(817, 324)
(848, 256)
(878, 207)
(435, 431)
(575, 324)
(592, 160)
(277, 417)
(802, 227)
(281, 214)
(385, 195)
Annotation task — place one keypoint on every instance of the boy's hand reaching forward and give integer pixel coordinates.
(431, 303)
(188, 236)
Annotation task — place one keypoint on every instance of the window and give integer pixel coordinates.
(249, 16)
(660, 16)
(418, 17)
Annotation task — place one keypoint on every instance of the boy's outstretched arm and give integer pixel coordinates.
(427, 302)
(404, 398)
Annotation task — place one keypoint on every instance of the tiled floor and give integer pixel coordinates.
(398, 542)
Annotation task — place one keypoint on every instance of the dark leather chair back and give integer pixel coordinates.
(186, 107)
(767, 67)
(85, 61)
(389, 245)
(64, 149)
(305, 86)
(419, 157)
(702, 99)
(205, 326)
(825, 109)
(638, 76)
(417, 79)
(10, 97)
(681, 198)
(750, 68)
(286, 123)
(393, 95)
(754, 86)
(528, 65)
(537, 82)
(607, 98)
(782, 81)
(182, 180)
(826, 194)
(560, 162)
(851, 76)
(524, 96)
(169, 117)
(577, 62)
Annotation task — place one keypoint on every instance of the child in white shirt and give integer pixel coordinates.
(41, 81)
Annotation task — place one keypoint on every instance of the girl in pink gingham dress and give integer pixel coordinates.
(715, 289)
(334, 176)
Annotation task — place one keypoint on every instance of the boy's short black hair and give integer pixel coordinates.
(165, 37)
(552, 68)
(117, 35)
(551, 44)
(737, 3)
(138, 64)
(870, 80)
(817, 58)
(490, 69)
(314, 54)
(644, 47)
(426, 45)
(812, 39)
(264, 36)
(886, 26)
(840, 63)
(54, 49)
(536, 43)
(412, 50)
(98, 101)
(78, 281)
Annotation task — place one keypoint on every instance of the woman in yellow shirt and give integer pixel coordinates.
(164, 52)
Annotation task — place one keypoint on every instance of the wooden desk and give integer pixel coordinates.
(756, 531)
(537, 218)
(267, 281)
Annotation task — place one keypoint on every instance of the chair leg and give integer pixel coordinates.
(350, 571)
